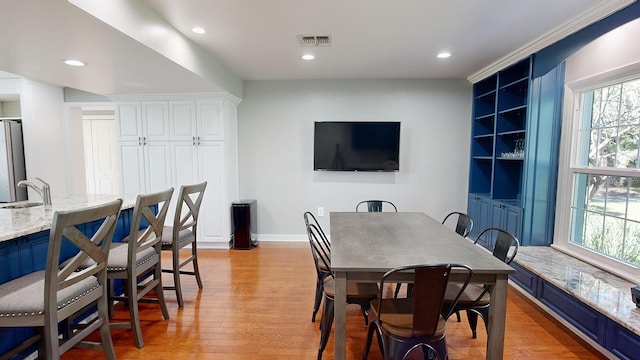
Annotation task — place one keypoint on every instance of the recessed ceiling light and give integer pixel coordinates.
(444, 55)
(308, 57)
(198, 30)
(72, 62)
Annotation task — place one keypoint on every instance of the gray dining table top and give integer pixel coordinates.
(378, 242)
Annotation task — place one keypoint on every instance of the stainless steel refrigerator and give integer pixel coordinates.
(12, 167)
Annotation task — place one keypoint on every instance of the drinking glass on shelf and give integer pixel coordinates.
(519, 150)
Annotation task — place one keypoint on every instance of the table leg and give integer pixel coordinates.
(340, 316)
(497, 318)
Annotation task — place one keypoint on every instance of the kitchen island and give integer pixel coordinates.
(24, 240)
(18, 222)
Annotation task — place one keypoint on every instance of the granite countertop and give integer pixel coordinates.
(15, 223)
(603, 291)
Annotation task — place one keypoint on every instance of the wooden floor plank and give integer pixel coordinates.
(256, 304)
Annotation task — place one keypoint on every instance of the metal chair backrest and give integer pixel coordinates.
(375, 205)
(430, 285)
(464, 224)
(320, 254)
(505, 245)
(310, 219)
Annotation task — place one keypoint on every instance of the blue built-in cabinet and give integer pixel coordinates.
(499, 132)
(524, 100)
(543, 148)
(514, 152)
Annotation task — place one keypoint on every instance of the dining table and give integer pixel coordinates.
(366, 245)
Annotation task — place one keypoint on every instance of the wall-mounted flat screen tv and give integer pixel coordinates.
(356, 146)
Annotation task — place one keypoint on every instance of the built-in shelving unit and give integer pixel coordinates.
(497, 148)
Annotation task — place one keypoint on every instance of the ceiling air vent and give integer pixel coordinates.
(314, 40)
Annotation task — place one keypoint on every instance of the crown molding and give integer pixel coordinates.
(588, 17)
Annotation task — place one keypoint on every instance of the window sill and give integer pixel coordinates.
(607, 293)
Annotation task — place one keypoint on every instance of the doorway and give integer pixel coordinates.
(99, 138)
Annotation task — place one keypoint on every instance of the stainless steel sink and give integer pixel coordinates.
(20, 205)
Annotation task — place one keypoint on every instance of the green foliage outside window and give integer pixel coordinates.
(606, 205)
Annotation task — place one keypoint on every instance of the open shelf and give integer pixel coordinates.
(497, 148)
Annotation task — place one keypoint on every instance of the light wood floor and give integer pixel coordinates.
(256, 304)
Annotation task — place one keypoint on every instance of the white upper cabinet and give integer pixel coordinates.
(128, 124)
(143, 121)
(210, 115)
(182, 119)
(155, 121)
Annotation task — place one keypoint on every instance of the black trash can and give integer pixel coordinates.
(245, 225)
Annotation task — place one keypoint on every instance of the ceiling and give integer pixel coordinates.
(126, 53)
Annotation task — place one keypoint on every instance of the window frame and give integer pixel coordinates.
(572, 115)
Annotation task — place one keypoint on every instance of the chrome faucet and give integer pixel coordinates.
(45, 192)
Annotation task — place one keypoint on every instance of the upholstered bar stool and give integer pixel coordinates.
(45, 298)
(138, 258)
(184, 233)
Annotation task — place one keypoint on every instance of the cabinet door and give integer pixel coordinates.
(507, 217)
(182, 120)
(155, 121)
(128, 124)
(474, 210)
(131, 158)
(157, 160)
(513, 220)
(184, 157)
(210, 114)
(214, 222)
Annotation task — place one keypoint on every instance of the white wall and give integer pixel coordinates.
(44, 135)
(275, 123)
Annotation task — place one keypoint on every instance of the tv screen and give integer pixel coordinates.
(356, 146)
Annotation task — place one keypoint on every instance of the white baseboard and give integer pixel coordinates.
(225, 245)
(281, 237)
(216, 245)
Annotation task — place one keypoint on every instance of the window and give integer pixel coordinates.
(604, 173)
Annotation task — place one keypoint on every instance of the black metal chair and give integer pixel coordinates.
(475, 299)
(464, 223)
(404, 325)
(61, 292)
(375, 205)
(321, 271)
(357, 293)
